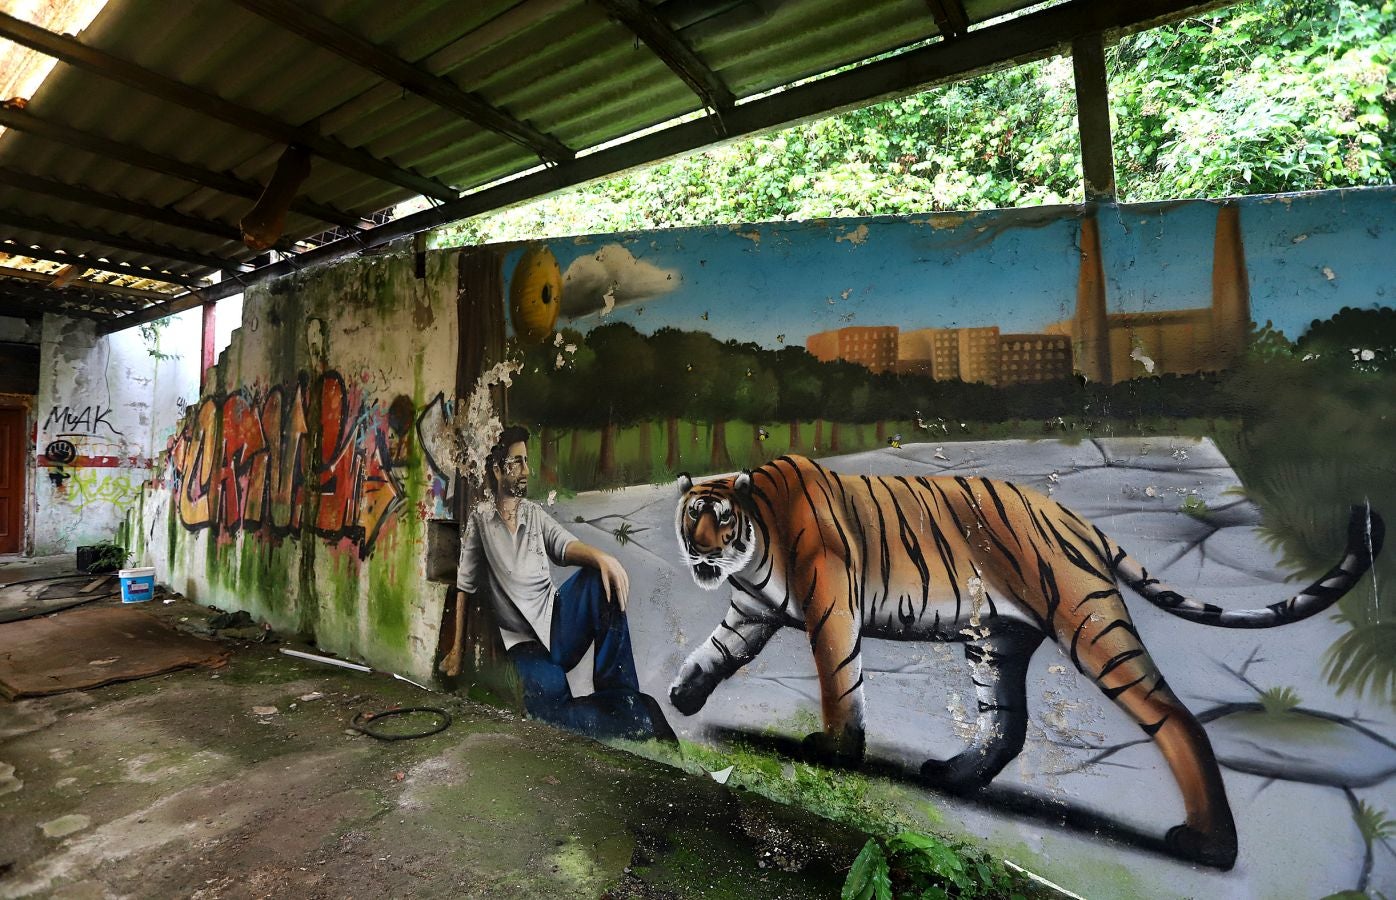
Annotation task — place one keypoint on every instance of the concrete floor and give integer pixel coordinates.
(173, 787)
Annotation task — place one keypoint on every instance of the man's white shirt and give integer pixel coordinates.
(514, 567)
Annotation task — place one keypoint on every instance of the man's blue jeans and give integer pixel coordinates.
(583, 617)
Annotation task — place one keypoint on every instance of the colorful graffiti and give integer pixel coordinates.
(311, 454)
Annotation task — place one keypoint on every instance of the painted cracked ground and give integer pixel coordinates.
(1085, 775)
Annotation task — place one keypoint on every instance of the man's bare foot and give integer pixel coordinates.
(450, 663)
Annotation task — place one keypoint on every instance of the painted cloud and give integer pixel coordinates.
(609, 278)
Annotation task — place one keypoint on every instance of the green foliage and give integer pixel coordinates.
(110, 557)
(1266, 96)
(1364, 659)
(1373, 823)
(1364, 339)
(869, 878)
(917, 865)
(934, 869)
(1278, 700)
(1195, 506)
(150, 335)
(1263, 97)
(1316, 434)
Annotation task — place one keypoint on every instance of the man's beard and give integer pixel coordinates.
(517, 489)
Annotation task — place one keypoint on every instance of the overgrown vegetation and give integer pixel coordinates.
(1267, 96)
(107, 556)
(915, 865)
(1318, 420)
(900, 857)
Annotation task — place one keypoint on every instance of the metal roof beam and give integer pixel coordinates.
(27, 304)
(951, 18)
(1010, 43)
(14, 248)
(23, 120)
(75, 53)
(86, 197)
(116, 294)
(16, 219)
(646, 24)
(333, 37)
(1093, 118)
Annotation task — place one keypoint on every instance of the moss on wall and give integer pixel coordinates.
(358, 589)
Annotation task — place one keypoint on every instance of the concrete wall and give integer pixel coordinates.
(302, 486)
(19, 331)
(298, 488)
(104, 404)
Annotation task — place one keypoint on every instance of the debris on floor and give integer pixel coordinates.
(172, 787)
(89, 647)
(233, 626)
(33, 597)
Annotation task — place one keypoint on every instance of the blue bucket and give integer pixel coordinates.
(137, 585)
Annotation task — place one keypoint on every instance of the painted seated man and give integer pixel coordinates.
(508, 544)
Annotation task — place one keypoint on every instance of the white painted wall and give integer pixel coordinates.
(116, 400)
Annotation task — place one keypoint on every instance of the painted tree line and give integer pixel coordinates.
(1260, 97)
(619, 378)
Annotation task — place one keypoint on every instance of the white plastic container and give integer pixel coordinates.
(137, 585)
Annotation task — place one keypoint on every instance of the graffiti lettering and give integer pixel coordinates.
(113, 487)
(240, 462)
(86, 420)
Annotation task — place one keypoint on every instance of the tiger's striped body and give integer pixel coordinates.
(982, 562)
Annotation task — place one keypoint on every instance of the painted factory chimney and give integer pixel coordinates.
(1091, 329)
(1231, 292)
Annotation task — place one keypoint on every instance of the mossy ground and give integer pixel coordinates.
(190, 793)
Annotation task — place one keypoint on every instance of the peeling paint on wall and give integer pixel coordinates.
(104, 405)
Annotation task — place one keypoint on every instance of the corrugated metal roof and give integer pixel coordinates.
(574, 70)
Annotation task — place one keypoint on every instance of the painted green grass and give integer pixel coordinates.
(573, 463)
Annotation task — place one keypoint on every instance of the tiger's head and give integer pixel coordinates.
(713, 522)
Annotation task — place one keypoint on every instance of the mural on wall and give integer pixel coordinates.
(893, 436)
(312, 453)
(507, 546)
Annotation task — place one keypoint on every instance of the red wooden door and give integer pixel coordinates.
(11, 480)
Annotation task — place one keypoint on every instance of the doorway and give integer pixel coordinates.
(11, 480)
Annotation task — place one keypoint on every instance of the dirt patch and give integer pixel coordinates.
(187, 792)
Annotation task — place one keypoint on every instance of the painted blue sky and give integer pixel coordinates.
(1307, 256)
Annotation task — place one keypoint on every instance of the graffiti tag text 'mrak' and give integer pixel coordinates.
(241, 463)
(84, 420)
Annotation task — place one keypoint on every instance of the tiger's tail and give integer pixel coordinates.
(1365, 534)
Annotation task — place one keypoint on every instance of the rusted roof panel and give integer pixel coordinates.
(564, 68)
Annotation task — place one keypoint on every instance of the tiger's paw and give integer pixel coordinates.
(844, 752)
(1217, 850)
(954, 776)
(690, 690)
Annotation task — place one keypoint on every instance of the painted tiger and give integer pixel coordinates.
(972, 560)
